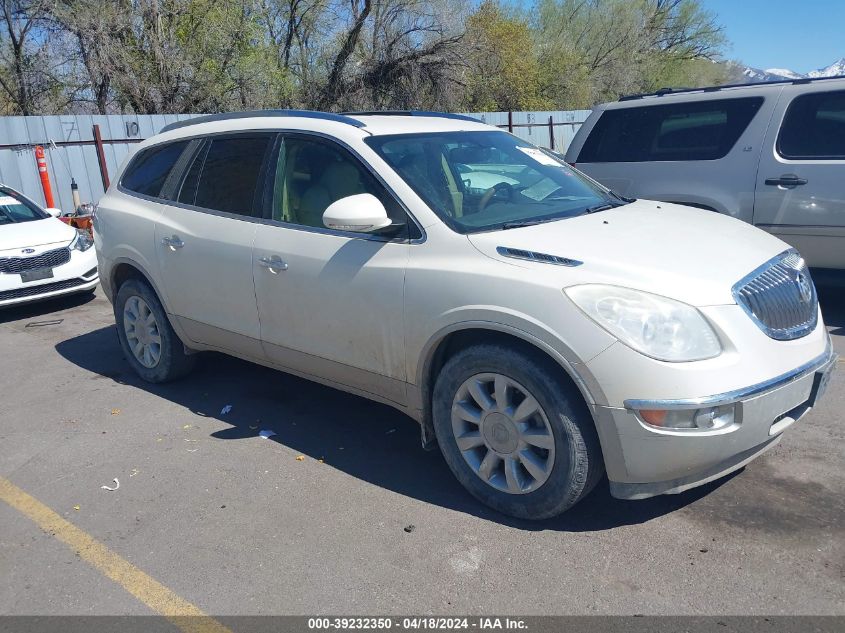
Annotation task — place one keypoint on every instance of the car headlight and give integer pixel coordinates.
(658, 327)
(82, 241)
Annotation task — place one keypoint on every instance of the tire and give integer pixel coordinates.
(576, 464)
(171, 362)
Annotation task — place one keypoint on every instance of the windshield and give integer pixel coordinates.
(480, 181)
(14, 209)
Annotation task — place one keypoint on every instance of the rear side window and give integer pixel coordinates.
(150, 168)
(814, 127)
(703, 130)
(230, 175)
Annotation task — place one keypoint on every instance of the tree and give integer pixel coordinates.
(27, 68)
(505, 73)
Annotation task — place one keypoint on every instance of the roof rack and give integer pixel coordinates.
(228, 116)
(759, 84)
(440, 115)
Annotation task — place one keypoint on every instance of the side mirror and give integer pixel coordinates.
(53, 212)
(361, 213)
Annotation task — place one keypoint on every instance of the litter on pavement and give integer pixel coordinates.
(116, 485)
(226, 409)
(266, 433)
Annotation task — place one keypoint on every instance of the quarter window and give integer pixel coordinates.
(228, 179)
(814, 127)
(150, 168)
(703, 130)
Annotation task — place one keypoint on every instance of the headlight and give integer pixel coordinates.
(82, 241)
(658, 327)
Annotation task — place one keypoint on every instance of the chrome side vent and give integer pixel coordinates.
(534, 256)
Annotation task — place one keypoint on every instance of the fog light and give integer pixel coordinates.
(705, 419)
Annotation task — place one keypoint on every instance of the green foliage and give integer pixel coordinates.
(159, 56)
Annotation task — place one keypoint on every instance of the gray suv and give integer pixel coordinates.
(769, 154)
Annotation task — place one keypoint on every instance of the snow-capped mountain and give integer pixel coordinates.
(755, 75)
(836, 68)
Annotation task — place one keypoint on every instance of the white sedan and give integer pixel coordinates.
(40, 256)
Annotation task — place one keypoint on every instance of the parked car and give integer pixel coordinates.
(541, 329)
(40, 256)
(769, 154)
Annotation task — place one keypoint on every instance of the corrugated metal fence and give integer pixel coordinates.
(74, 150)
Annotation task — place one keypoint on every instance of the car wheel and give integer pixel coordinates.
(146, 336)
(515, 433)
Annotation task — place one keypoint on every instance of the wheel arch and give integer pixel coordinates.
(125, 269)
(450, 340)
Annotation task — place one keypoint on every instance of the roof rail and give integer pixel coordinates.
(759, 84)
(228, 116)
(440, 115)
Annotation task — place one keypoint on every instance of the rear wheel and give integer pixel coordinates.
(515, 434)
(146, 336)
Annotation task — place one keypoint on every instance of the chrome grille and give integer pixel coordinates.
(780, 297)
(47, 259)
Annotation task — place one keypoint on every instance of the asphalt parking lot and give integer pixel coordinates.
(312, 521)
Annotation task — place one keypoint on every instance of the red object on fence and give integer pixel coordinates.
(41, 161)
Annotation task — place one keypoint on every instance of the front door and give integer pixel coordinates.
(331, 302)
(800, 195)
(205, 238)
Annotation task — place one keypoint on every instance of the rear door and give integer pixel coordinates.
(800, 196)
(701, 152)
(205, 238)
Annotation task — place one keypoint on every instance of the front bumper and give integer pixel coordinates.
(77, 275)
(643, 461)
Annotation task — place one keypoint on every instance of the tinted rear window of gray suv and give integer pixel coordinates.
(702, 130)
(814, 127)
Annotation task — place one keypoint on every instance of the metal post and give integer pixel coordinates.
(551, 133)
(510, 121)
(101, 157)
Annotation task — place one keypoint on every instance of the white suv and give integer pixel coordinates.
(540, 329)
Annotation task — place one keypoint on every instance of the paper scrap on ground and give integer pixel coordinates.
(226, 409)
(115, 411)
(300, 458)
(116, 485)
(265, 433)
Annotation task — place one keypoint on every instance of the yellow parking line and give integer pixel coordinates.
(152, 593)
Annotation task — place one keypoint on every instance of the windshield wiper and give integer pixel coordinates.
(601, 207)
(519, 225)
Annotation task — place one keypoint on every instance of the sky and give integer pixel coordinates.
(800, 35)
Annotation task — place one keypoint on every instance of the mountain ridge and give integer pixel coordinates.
(757, 75)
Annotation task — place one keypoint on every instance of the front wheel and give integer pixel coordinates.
(514, 433)
(146, 336)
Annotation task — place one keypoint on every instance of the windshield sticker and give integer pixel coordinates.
(541, 190)
(540, 156)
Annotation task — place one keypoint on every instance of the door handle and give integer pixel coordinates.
(787, 180)
(274, 264)
(172, 243)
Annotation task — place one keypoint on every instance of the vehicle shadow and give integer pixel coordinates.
(45, 307)
(364, 439)
(832, 300)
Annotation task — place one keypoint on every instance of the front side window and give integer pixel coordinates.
(312, 174)
(814, 127)
(15, 209)
(477, 181)
(149, 169)
(225, 176)
(701, 130)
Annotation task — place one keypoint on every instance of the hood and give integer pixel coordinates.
(35, 233)
(688, 254)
